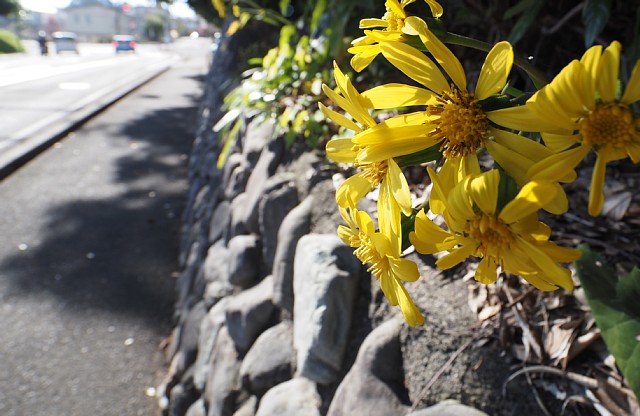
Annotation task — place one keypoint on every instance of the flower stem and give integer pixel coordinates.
(538, 78)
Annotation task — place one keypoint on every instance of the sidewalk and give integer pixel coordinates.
(90, 240)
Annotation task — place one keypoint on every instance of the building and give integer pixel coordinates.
(97, 20)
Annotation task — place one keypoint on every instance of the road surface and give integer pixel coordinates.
(89, 245)
(40, 92)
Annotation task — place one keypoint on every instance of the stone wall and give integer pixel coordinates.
(273, 312)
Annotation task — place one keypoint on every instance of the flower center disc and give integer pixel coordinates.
(492, 235)
(610, 125)
(367, 253)
(461, 123)
(395, 22)
(373, 172)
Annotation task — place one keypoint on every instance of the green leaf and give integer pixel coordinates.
(284, 6)
(595, 15)
(518, 8)
(525, 21)
(408, 225)
(427, 155)
(229, 138)
(318, 11)
(614, 304)
(507, 190)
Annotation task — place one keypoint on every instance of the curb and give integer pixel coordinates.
(32, 145)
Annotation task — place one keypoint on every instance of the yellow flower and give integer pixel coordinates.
(367, 47)
(583, 106)
(454, 117)
(344, 150)
(380, 250)
(509, 237)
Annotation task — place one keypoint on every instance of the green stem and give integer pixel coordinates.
(538, 78)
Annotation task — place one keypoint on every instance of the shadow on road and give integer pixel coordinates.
(117, 253)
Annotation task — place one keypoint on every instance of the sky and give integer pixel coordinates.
(179, 8)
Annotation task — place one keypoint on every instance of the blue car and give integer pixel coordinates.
(124, 43)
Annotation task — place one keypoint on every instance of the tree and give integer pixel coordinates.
(154, 26)
(8, 7)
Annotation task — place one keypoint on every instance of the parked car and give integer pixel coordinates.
(124, 43)
(65, 41)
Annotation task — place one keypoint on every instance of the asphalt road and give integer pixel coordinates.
(89, 245)
(48, 93)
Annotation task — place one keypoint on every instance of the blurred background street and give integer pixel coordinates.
(90, 228)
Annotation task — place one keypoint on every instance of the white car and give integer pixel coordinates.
(65, 41)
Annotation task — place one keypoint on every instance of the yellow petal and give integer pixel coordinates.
(383, 36)
(404, 269)
(529, 225)
(570, 91)
(459, 202)
(533, 196)
(410, 312)
(341, 79)
(520, 118)
(364, 222)
(399, 187)
(354, 109)
(341, 150)
(339, 118)
(591, 60)
(531, 149)
(395, 7)
(559, 204)
(540, 283)
(428, 232)
(359, 42)
(415, 65)
(495, 70)
(551, 114)
(382, 134)
(380, 152)
(389, 219)
(487, 271)
(632, 92)
(388, 286)
(438, 195)
(545, 263)
(398, 95)
(514, 163)
(440, 52)
(456, 256)
(559, 165)
(345, 235)
(633, 150)
(608, 72)
(484, 191)
(371, 23)
(596, 193)
(364, 57)
(559, 142)
(436, 8)
(559, 254)
(352, 190)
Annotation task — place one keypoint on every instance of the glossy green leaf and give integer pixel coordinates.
(595, 15)
(615, 304)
